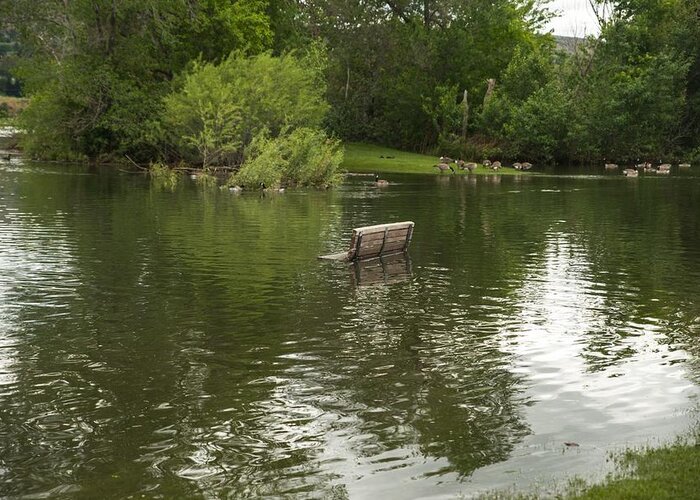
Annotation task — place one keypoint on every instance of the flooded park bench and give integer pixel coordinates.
(373, 242)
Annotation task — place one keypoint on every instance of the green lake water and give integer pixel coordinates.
(187, 343)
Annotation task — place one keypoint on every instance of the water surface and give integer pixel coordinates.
(187, 343)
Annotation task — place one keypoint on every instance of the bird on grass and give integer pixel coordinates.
(443, 167)
(663, 168)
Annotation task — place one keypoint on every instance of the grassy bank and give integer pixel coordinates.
(665, 473)
(368, 158)
(671, 472)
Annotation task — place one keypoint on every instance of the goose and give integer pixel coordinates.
(446, 159)
(517, 166)
(611, 166)
(266, 189)
(630, 172)
(496, 165)
(486, 163)
(526, 165)
(664, 167)
(684, 165)
(236, 189)
(380, 182)
(470, 166)
(442, 167)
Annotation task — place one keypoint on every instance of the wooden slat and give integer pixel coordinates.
(397, 233)
(382, 227)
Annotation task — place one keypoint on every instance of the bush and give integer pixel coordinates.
(221, 108)
(163, 177)
(304, 156)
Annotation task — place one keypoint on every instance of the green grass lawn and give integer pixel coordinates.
(362, 158)
(666, 473)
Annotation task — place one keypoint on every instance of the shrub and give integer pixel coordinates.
(304, 156)
(218, 111)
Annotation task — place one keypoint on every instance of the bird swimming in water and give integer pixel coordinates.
(380, 182)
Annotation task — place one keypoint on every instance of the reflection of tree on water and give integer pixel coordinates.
(442, 387)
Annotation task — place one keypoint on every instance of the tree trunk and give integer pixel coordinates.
(347, 83)
(489, 90)
(465, 115)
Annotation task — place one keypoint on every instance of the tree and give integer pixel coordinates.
(221, 108)
(97, 70)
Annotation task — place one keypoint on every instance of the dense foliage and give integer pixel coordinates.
(221, 107)
(197, 80)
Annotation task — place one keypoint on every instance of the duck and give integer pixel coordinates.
(442, 167)
(265, 189)
(630, 172)
(380, 182)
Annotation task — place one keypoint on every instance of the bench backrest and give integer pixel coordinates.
(370, 242)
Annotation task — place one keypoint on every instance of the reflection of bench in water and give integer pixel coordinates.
(371, 242)
(386, 270)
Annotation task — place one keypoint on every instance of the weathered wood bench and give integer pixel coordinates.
(371, 242)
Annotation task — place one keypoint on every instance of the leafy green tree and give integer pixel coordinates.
(221, 108)
(97, 70)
